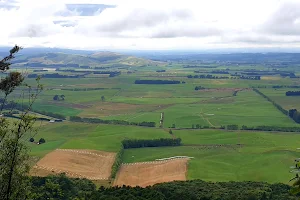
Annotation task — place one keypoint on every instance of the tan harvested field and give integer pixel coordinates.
(90, 164)
(149, 173)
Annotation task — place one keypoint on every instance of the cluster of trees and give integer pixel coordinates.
(161, 70)
(135, 143)
(59, 97)
(55, 75)
(200, 66)
(232, 127)
(83, 89)
(250, 77)
(40, 70)
(292, 93)
(102, 121)
(199, 88)
(198, 126)
(293, 75)
(101, 67)
(62, 187)
(286, 86)
(273, 102)
(295, 115)
(83, 73)
(118, 162)
(111, 73)
(214, 72)
(156, 82)
(208, 76)
(41, 141)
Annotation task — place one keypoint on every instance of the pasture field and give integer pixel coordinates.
(278, 95)
(219, 155)
(183, 106)
(68, 135)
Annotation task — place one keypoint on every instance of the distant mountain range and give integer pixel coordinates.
(53, 56)
(50, 56)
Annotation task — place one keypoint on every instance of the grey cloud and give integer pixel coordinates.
(36, 30)
(65, 23)
(259, 39)
(140, 18)
(186, 32)
(285, 21)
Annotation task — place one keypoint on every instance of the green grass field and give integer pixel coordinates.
(278, 95)
(262, 157)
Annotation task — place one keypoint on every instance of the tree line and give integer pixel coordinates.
(286, 86)
(285, 112)
(295, 115)
(136, 143)
(199, 88)
(292, 113)
(208, 76)
(110, 73)
(158, 82)
(116, 122)
(250, 128)
(62, 187)
(118, 162)
(250, 77)
(213, 72)
(88, 89)
(292, 93)
(23, 107)
(271, 128)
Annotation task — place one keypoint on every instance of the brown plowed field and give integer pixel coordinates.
(90, 164)
(150, 173)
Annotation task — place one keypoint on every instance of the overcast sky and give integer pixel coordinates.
(150, 24)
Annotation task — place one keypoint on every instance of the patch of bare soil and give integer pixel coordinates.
(149, 173)
(90, 164)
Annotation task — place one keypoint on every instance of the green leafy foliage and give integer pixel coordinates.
(42, 141)
(102, 121)
(134, 143)
(61, 187)
(118, 162)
